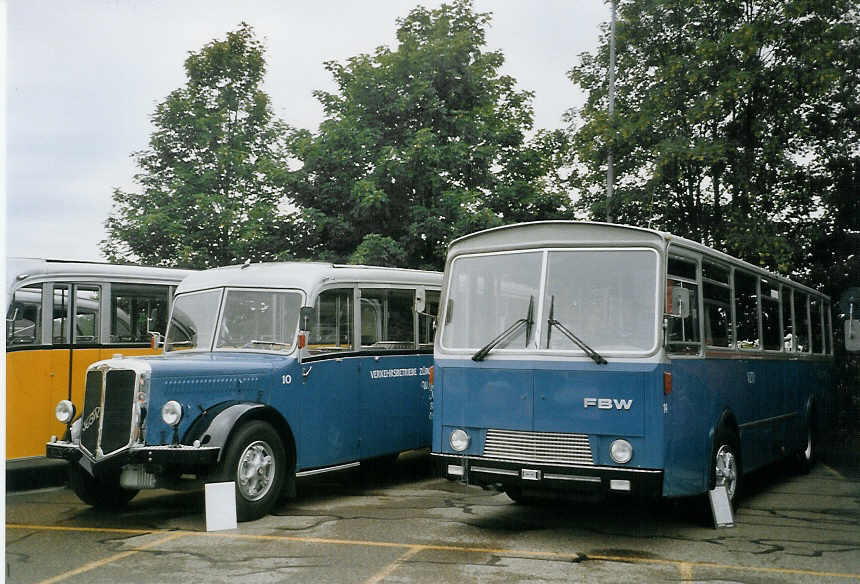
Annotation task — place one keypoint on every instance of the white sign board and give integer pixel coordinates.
(721, 507)
(852, 336)
(220, 506)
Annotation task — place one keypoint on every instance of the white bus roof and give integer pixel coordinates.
(20, 271)
(303, 276)
(542, 234)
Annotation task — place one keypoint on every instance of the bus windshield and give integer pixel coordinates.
(605, 297)
(258, 319)
(192, 322)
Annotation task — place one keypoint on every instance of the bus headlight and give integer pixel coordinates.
(459, 440)
(621, 451)
(65, 411)
(171, 413)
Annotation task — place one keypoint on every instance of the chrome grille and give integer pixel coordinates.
(545, 447)
(108, 416)
(118, 410)
(91, 416)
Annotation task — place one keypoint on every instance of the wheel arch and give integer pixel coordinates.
(216, 426)
(726, 422)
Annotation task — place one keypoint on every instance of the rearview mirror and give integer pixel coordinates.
(680, 302)
(306, 315)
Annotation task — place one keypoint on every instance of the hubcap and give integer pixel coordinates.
(726, 470)
(256, 471)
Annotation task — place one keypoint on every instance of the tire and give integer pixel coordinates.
(805, 458)
(726, 464)
(515, 494)
(102, 493)
(255, 461)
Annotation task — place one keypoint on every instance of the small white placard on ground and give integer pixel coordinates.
(721, 507)
(220, 506)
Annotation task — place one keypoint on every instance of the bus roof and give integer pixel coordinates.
(22, 270)
(303, 276)
(541, 234)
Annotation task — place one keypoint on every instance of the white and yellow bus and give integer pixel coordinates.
(62, 317)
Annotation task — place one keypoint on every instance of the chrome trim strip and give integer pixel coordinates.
(768, 420)
(498, 471)
(521, 463)
(578, 478)
(307, 473)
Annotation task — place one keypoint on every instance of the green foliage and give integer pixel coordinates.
(379, 250)
(735, 123)
(213, 180)
(421, 144)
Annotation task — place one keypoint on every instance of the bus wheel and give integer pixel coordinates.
(256, 462)
(726, 464)
(516, 495)
(806, 457)
(103, 493)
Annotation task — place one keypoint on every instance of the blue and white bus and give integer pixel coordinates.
(269, 372)
(589, 358)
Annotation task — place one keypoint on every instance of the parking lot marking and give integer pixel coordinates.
(389, 569)
(680, 564)
(73, 528)
(686, 571)
(110, 559)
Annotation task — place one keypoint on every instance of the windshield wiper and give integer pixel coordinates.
(528, 321)
(567, 332)
(279, 343)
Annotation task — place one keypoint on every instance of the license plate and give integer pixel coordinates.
(528, 474)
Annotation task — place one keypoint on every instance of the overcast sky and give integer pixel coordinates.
(84, 76)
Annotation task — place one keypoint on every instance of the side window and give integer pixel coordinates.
(815, 321)
(828, 333)
(682, 298)
(87, 314)
(60, 326)
(801, 317)
(788, 339)
(717, 309)
(427, 319)
(770, 329)
(136, 309)
(746, 311)
(24, 317)
(387, 319)
(332, 322)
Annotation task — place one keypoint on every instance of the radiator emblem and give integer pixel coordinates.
(94, 415)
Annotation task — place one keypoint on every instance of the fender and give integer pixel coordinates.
(726, 420)
(214, 425)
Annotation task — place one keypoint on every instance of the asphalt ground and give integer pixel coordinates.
(403, 524)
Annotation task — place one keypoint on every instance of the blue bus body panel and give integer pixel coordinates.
(201, 380)
(344, 409)
(765, 399)
(550, 396)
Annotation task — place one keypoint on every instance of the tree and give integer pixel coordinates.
(421, 144)
(735, 122)
(214, 176)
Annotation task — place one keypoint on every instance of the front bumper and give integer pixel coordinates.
(179, 456)
(482, 471)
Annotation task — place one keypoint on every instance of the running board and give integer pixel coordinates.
(307, 473)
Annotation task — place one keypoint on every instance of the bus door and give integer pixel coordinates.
(36, 373)
(391, 413)
(329, 399)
